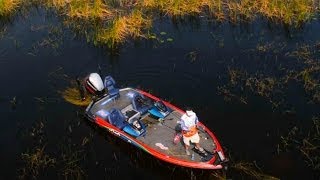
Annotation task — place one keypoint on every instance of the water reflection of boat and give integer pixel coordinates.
(148, 123)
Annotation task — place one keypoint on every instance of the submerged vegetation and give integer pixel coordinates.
(307, 144)
(39, 162)
(35, 162)
(251, 170)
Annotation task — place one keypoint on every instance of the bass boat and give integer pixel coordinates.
(149, 123)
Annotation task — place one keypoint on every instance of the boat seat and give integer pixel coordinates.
(141, 104)
(159, 110)
(109, 84)
(117, 119)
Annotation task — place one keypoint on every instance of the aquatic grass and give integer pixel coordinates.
(8, 7)
(85, 9)
(80, 9)
(216, 8)
(243, 10)
(127, 26)
(65, 164)
(35, 161)
(252, 170)
(291, 12)
(70, 159)
(73, 96)
(305, 143)
(179, 7)
(58, 4)
(113, 22)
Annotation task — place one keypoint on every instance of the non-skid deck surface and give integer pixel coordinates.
(164, 131)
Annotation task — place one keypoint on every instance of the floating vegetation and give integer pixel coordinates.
(228, 96)
(241, 83)
(8, 7)
(273, 87)
(251, 170)
(192, 56)
(71, 164)
(219, 175)
(60, 160)
(307, 144)
(35, 161)
(73, 96)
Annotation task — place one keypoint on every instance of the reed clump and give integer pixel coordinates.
(291, 12)
(120, 20)
(123, 27)
(181, 7)
(85, 9)
(57, 4)
(81, 9)
(8, 7)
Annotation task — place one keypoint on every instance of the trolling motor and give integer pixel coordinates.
(94, 84)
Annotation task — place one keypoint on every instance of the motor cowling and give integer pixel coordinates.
(94, 84)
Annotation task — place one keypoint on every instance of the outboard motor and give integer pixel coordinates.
(94, 84)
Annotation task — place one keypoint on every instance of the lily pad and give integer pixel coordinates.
(169, 39)
(163, 33)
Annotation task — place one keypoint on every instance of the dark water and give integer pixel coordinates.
(186, 72)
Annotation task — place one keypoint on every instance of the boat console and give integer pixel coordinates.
(130, 113)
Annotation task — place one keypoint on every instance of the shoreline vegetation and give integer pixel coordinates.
(112, 22)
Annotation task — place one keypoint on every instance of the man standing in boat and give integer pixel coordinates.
(189, 122)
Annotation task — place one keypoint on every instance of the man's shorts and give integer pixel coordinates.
(194, 139)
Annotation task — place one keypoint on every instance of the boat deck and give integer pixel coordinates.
(159, 132)
(164, 132)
